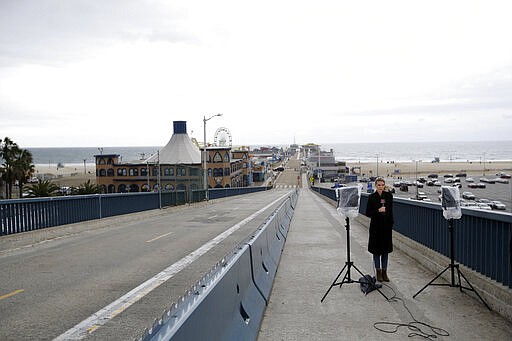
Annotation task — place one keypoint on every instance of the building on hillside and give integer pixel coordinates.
(177, 166)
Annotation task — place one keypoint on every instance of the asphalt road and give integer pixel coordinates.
(53, 280)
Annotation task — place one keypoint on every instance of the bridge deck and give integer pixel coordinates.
(315, 252)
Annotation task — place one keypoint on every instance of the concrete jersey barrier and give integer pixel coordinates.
(229, 301)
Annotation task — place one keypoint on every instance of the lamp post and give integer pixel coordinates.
(377, 166)
(205, 170)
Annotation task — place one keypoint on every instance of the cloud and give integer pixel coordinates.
(53, 31)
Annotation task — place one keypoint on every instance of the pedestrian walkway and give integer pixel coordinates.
(314, 254)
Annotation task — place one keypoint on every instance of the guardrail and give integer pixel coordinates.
(482, 238)
(229, 301)
(23, 215)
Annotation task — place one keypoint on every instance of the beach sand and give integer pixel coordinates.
(69, 175)
(409, 169)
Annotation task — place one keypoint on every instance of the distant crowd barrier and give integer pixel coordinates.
(229, 301)
(482, 238)
(22, 215)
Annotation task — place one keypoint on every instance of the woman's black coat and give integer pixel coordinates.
(381, 224)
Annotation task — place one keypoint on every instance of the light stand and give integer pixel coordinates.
(348, 265)
(452, 266)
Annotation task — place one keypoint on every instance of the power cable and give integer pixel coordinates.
(415, 327)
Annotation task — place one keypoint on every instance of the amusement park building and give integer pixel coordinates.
(177, 166)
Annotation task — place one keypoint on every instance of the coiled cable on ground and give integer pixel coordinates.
(415, 327)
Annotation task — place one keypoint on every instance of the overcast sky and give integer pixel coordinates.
(118, 73)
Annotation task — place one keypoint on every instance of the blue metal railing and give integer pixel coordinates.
(22, 215)
(481, 237)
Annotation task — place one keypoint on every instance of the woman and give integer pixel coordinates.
(380, 244)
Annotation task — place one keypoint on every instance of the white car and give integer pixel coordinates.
(483, 206)
(498, 205)
(470, 180)
(468, 195)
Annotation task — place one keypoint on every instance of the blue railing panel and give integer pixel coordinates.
(22, 215)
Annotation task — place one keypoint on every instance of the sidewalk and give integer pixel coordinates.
(314, 254)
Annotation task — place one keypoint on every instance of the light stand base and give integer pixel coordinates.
(453, 266)
(348, 265)
(459, 285)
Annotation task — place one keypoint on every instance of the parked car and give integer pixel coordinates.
(498, 205)
(461, 175)
(432, 176)
(470, 180)
(468, 195)
(449, 180)
(448, 175)
(489, 181)
(472, 185)
(483, 206)
(483, 201)
(421, 196)
(505, 175)
(480, 185)
(501, 181)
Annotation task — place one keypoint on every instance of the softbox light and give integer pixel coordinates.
(348, 200)
(450, 201)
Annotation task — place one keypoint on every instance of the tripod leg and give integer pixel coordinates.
(432, 281)
(333, 283)
(473, 289)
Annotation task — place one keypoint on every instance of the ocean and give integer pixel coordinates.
(350, 152)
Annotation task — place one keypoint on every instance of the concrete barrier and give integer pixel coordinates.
(229, 307)
(263, 266)
(228, 303)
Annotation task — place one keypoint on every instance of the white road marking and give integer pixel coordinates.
(104, 315)
(156, 238)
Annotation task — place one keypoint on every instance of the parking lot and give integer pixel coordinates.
(496, 191)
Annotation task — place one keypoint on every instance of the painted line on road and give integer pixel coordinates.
(15, 292)
(156, 238)
(101, 317)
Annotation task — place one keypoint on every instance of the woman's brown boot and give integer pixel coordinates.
(385, 275)
(380, 278)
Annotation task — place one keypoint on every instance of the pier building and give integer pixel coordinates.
(177, 166)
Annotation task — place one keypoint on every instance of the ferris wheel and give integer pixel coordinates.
(222, 137)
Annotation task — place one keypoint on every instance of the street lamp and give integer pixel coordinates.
(377, 165)
(205, 170)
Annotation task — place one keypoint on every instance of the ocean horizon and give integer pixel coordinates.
(349, 152)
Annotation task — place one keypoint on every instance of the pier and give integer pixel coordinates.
(110, 278)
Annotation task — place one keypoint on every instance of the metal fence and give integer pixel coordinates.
(22, 215)
(482, 238)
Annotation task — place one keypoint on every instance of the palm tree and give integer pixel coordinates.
(7, 152)
(43, 188)
(17, 165)
(86, 188)
(23, 168)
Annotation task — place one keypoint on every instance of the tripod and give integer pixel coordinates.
(348, 265)
(452, 266)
